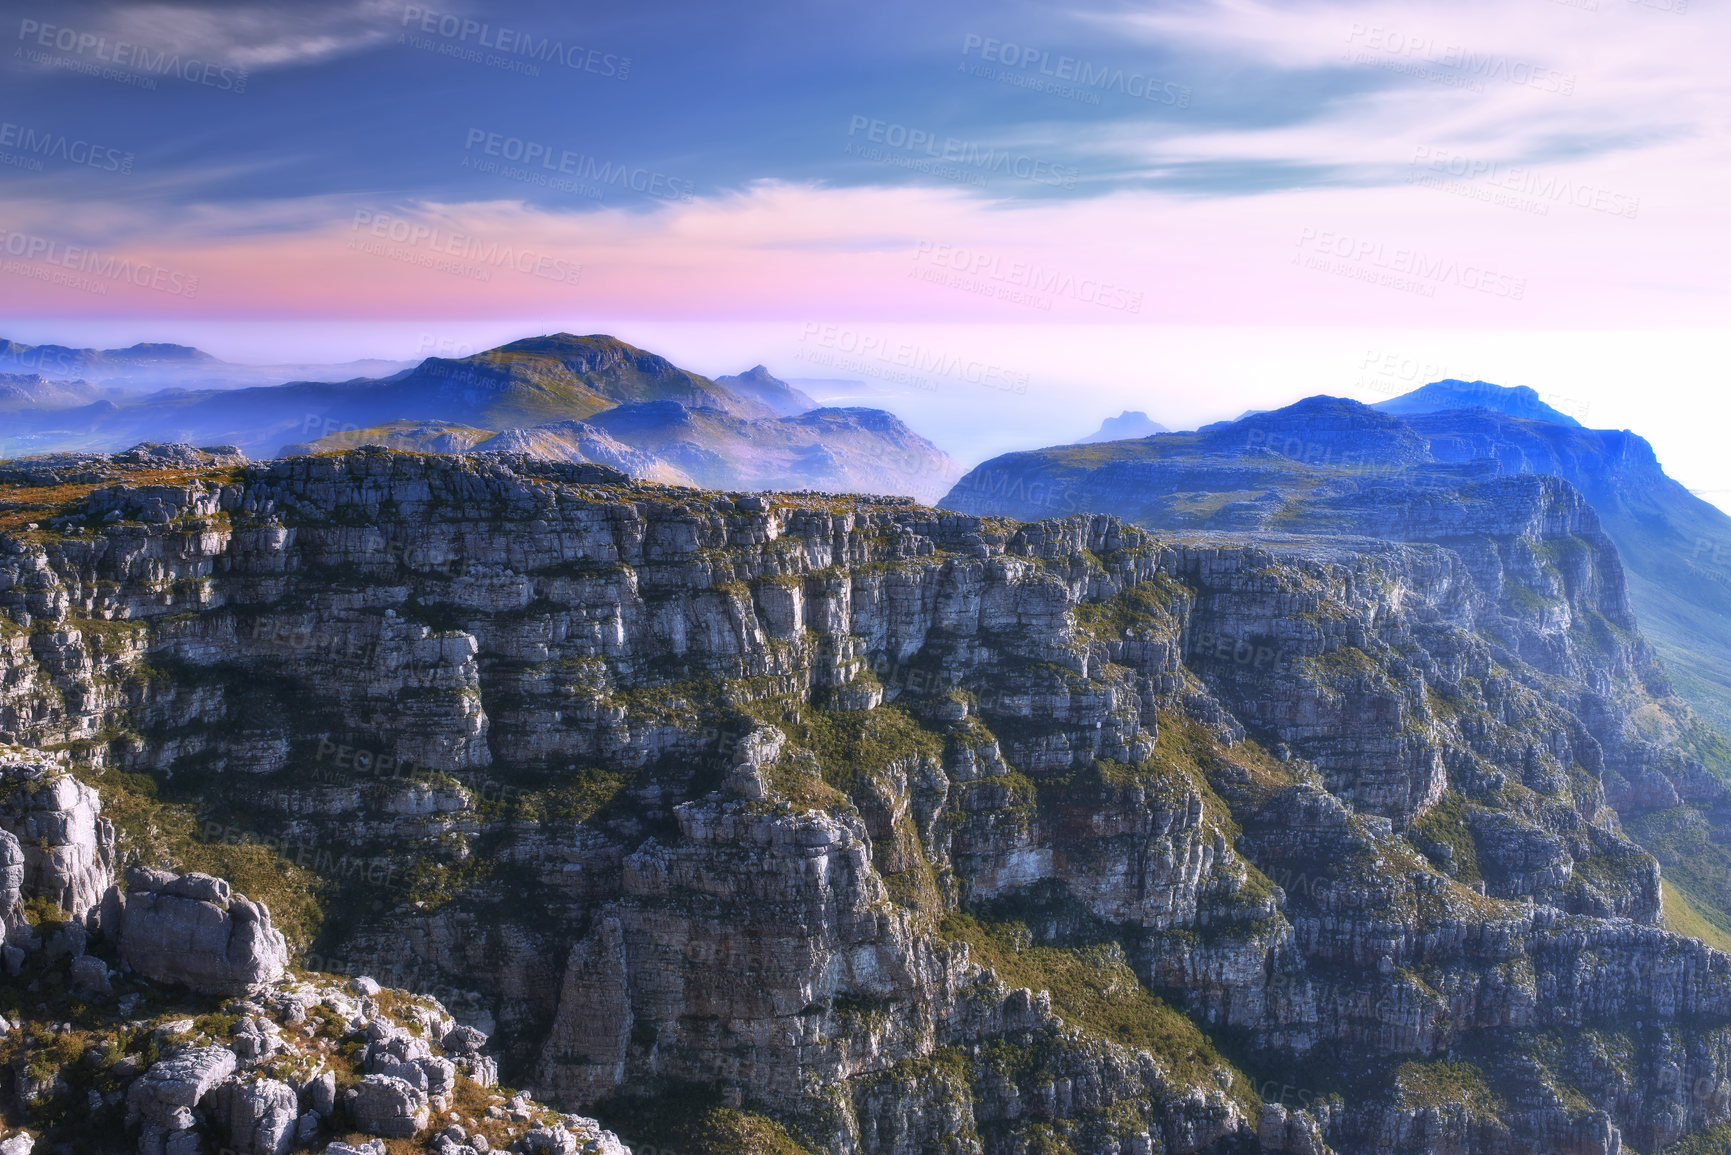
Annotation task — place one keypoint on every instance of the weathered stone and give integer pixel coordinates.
(68, 848)
(549, 1141)
(217, 945)
(387, 1106)
(259, 1116)
(321, 1094)
(463, 1040)
(161, 1101)
(761, 903)
(90, 977)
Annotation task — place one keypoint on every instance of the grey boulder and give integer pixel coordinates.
(160, 1102)
(67, 848)
(386, 1105)
(191, 930)
(260, 1116)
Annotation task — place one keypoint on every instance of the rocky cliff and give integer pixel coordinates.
(868, 827)
(115, 1037)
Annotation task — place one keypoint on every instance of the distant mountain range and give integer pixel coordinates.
(33, 390)
(1406, 470)
(117, 373)
(757, 384)
(565, 397)
(1260, 471)
(63, 360)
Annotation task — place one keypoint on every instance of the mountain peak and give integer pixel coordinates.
(1129, 424)
(560, 376)
(1509, 400)
(764, 387)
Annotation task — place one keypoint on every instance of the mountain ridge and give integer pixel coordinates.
(1451, 393)
(669, 423)
(1333, 465)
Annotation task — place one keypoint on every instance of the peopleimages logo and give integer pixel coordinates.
(37, 144)
(463, 246)
(1011, 275)
(1086, 77)
(965, 154)
(1455, 64)
(1372, 260)
(28, 247)
(1530, 189)
(460, 31)
(123, 54)
(866, 348)
(582, 166)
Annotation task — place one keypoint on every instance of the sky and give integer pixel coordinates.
(1004, 221)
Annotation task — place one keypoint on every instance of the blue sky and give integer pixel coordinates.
(1493, 186)
(721, 96)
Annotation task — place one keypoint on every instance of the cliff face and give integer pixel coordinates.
(917, 830)
(1268, 468)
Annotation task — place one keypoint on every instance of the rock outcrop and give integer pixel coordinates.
(161, 1103)
(258, 1076)
(191, 930)
(389, 1106)
(53, 820)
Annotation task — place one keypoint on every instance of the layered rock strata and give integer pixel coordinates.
(912, 829)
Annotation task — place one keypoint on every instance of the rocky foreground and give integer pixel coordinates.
(785, 822)
(115, 1027)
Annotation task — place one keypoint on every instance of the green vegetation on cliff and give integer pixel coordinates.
(1093, 988)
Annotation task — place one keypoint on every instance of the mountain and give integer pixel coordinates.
(1508, 400)
(412, 436)
(1130, 423)
(526, 382)
(835, 450)
(150, 366)
(561, 397)
(760, 385)
(576, 441)
(1330, 465)
(1676, 547)
(64, 361)
(812, 823)
(34, 391)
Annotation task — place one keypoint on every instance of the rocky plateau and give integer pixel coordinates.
(782, 822)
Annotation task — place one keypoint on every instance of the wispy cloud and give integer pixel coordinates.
(1517, 79)
(253, 36)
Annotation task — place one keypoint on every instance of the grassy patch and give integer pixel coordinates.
(1695, 864)
(166, 834)
(1343, 665)
(1446, 825)
(22, 504)
(1712, 1141)
(694, 1121)
(1443, 1084)
(1093, 988)
(1681, 917)
(1139, 607)
(588, 793)
(852, 745)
